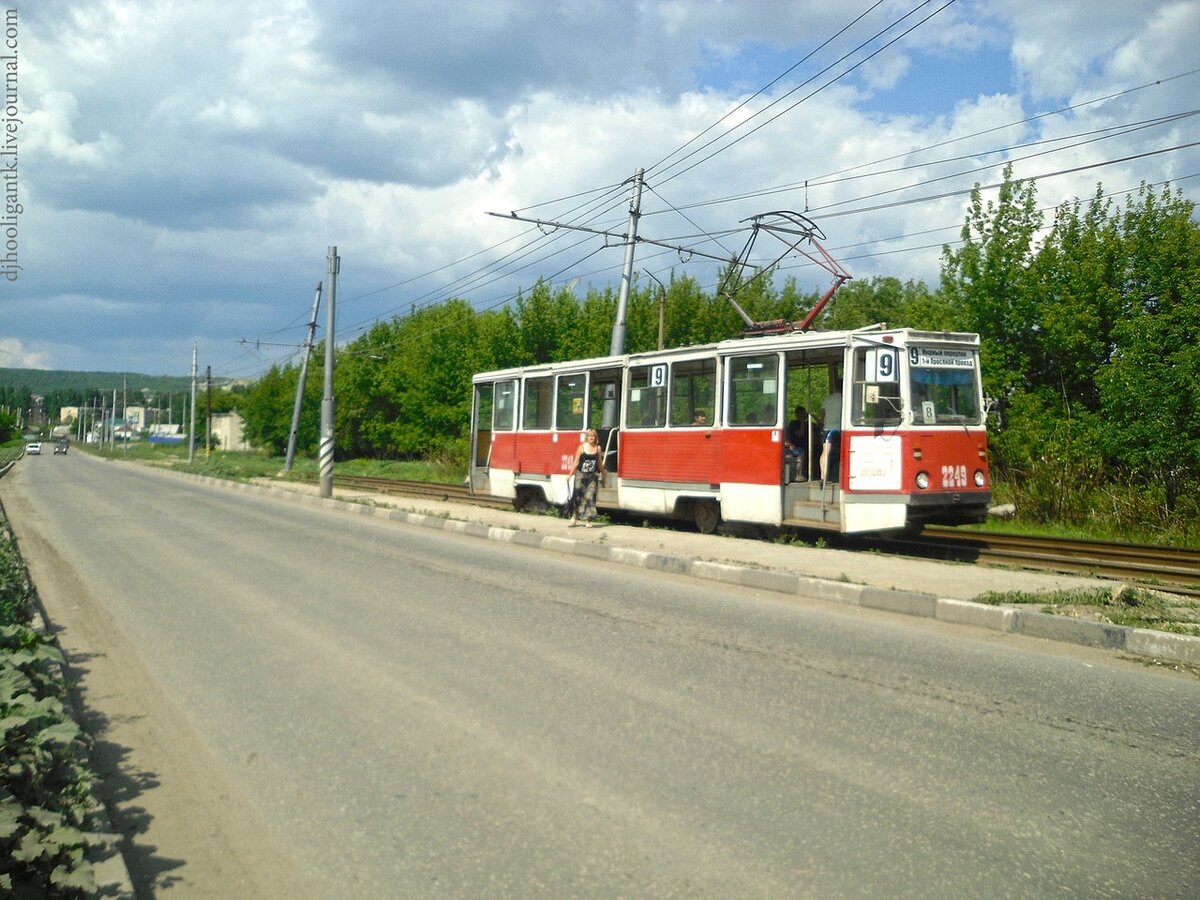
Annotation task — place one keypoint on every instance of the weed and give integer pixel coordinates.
(1134, 607)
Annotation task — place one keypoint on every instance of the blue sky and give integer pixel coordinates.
(184, 168)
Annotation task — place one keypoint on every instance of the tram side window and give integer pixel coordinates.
(505, 405)
(535, 414)
(876, 399)
(647, 407)
(572, 397)
(693, 392)
(605, 410)
(754, 390)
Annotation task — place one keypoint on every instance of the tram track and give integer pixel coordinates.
(1174, 569)
(434, 490)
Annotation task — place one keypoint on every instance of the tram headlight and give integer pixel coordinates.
(922, 480)
(980, 478)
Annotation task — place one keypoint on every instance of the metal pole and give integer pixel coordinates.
(192, 433)
(208, 411)
(325, 454)
(635, 211)
(308, 345)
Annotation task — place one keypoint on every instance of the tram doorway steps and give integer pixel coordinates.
(809, 503)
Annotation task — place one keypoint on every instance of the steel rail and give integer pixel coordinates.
(1175, 567)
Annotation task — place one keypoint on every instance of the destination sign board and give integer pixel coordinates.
(941, 358)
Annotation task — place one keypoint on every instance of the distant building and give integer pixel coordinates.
(229, 430)
(135, 417)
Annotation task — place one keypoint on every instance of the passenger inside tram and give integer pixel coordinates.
(831, 420)
(802, 445)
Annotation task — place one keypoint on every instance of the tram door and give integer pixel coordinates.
(604, 414)
(481, 438)
(493, 420)
(807, 388)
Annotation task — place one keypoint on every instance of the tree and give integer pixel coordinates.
(1077, 277)
(8, 427)
(882, 299)
(266, 408)
(1147, 391)
(988, 283)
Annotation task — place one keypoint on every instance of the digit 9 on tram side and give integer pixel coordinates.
(703, 434)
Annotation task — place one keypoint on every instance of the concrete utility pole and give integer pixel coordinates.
(308, 345)
(112, 438)
(208, 412)
(192, 433)
(635, 211)
(325, 454)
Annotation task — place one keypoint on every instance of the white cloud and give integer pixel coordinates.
(15, 355)
(50, 129)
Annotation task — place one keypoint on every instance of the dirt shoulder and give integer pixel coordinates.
(187, 831)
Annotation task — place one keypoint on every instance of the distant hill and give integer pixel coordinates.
(48, 381)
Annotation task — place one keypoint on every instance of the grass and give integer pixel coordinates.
(1133, 607)
(1148, 525)
(1095, 530)
(10, 451)
(245, 465)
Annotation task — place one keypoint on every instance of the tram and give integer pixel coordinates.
(731, 431)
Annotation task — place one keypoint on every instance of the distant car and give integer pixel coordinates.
(34, 448)
(61, 447)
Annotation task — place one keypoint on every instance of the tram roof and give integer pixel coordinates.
(795, 340)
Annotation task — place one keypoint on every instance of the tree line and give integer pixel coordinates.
(1088, 324)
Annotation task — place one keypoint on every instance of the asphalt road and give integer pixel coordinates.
(411, 713)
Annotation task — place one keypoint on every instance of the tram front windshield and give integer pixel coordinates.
(944, 386)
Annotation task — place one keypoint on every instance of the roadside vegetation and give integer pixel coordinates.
(1133, 607)
(10, 451)
(251, 464)
(48, 815)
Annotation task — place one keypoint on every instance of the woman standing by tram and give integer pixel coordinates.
(588, 471)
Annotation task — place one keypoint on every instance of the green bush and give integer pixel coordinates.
(15, 591)
(46, 804)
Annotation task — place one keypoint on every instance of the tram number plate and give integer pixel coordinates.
(954, 476)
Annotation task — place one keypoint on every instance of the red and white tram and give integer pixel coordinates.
(703, 433)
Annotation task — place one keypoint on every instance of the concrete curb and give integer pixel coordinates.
(1165, 646)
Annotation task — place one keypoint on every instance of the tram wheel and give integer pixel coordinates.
(530, 500)
(707, 515)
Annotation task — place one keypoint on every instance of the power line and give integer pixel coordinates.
(813, 93)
